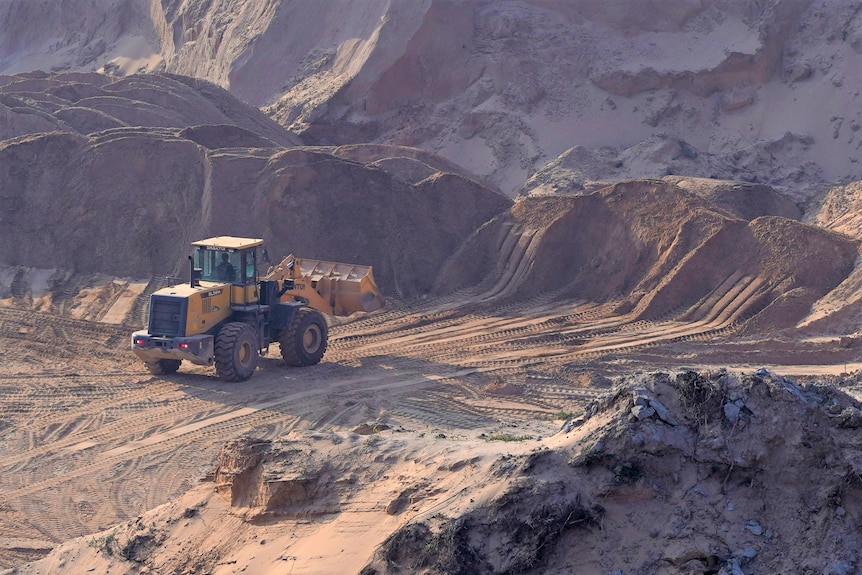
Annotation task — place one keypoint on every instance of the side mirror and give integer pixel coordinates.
(264, 255)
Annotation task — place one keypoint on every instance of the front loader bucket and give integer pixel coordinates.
(347, 288)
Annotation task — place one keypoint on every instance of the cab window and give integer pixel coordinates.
(218, 265)
(249, 267)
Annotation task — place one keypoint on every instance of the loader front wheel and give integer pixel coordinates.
(236, 352)
(163, 366)
(304, 342)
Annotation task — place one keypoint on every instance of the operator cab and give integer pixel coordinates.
(226, 259)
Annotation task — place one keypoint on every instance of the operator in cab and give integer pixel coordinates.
(225, 269)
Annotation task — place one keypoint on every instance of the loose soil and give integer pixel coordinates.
(420, 414)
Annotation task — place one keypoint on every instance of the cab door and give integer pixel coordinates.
(244, 290)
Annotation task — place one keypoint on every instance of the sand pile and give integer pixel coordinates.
(660, 249)
(509, 90)
(690, 472)
(671, 473)
(173, 159)
(840, 310)
(133, 138)
(191, 161)
(85, 103)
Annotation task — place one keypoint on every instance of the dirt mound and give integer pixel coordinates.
(411, 164)
(262, 480)
(176, 159)
(87, 103)
(582, 170)
(216, 136)
(693, 472)
(839, 209)
(513, 534)
(745, 200)
(496, 87)
(658, 249)
(668, 473)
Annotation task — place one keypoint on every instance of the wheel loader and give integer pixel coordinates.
(227, 315)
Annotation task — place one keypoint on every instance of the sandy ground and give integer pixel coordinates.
(408, 410)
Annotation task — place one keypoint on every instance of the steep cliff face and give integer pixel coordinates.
(725, 89)
(262, 49)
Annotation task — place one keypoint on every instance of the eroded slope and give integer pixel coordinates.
(172, 159)
(666, 473)
(510, 90)
(657, 250)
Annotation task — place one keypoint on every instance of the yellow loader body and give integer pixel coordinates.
(227, 314)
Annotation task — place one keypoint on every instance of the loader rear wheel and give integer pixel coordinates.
(163, 366)
(236, 352)
(304, 342)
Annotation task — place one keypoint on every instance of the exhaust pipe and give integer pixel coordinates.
(195, 274)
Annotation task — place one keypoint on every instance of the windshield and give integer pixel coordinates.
(226, 265)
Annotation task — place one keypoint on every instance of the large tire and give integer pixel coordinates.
(163, 366)
(304, 342)
(236, 352)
